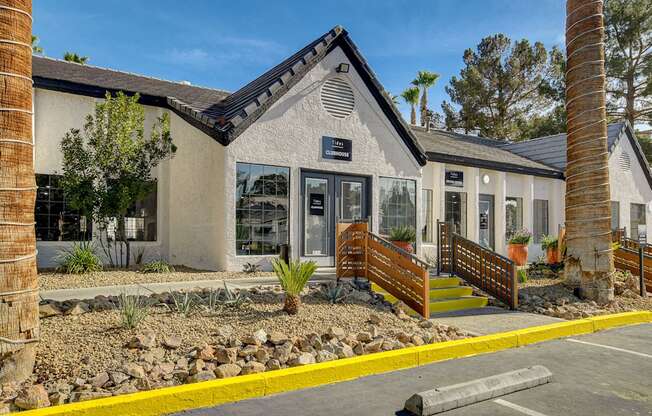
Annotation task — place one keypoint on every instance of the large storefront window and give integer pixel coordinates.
(55, 220)
(636, 219)
(426, 216)
(397, 204)
(540, 219)
(262, 205)
(455, 211)
(140, 219)
(513, 216)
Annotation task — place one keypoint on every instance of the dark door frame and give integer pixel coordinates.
(491, 199)
(335, 180)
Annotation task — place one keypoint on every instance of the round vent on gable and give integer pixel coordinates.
(625, 162)
(337, 97)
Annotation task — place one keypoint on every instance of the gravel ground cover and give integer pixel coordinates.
(85, 353)
(50, 280)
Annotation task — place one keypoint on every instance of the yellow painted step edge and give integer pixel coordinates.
(444, 282)
(216, 392)
(458, 304)
(450, 292)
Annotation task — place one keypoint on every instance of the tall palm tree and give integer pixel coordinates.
(35, 46)
(19, 325)
(73, 57)
(411, 96)
(589, 261)
(424, 80)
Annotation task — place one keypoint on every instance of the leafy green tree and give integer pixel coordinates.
(645, 140)
(424, 81)
(73, 57)
(107, 166)
(35, 46)
(628, 50)
(502, 85)
(411, 97)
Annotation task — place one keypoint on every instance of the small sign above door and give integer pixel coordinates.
(317, 204)
(484, 221)
(454, 178)
(336, 149)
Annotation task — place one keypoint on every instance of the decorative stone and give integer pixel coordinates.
(32, 397)
(225, 331)
(262, 355)
(118, 377)
(248, 350)
(417, 340)
(196, 366)
(426, 323)
(374, 346)
(56, 399)
(207, 353)
(277, 338)
(344, 351)
(144, 340)
(303, 359)
(273, 364)
(282, 352)
(134, 370)
(78, 309)
(99, 380)
(48, 310)
(84, 395)
(172, 342)
(403, 337)
(364, 337)
(226, 355)
(335, 332)
(227, 370)
(323, 356)
(374, 319)
(257, 338)
(253, 367)
(125, 389)
(201, 376)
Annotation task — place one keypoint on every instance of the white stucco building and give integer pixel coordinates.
(312, 140)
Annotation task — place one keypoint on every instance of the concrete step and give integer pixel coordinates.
(457, 304)
(450, 292)
(436, 282)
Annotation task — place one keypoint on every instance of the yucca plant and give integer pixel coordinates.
(133, 309)
(293, 279)
(80, 259)
(184, 304)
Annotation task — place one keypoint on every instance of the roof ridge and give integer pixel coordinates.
(185, 84)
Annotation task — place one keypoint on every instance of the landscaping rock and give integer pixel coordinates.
(257, 338)
(248, 350)
(201, 376)
(227, 370)
(323, 356)
(57, 398)
(172, 342)
(282, 352)
(207, 353)
(253, 367)
(48, 310)
(32, 397)
(277, 338)
(364, 337)
(273, 364)
(335, 332)
(78, 309)
(125, 389)
(344, 351)
(375, 345)
(134, 370)
(118, 377)
(144, 340)
(84, 395)
(303, 359)
(99, 380)
(226, 355)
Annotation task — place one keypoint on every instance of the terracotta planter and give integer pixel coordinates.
(517, 253)
(405, 245)
(552, 255)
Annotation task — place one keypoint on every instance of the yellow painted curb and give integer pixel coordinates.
(216, 392)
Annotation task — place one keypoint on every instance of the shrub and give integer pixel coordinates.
(157, 266)
(403, 233)
(251, 268)
(184, 303)
(522, 275)
(80, 259)
(521, 237)
(549, 242)
(133, 309)
(293, 279)
(332, 292)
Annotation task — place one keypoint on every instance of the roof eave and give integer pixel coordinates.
(492, 165)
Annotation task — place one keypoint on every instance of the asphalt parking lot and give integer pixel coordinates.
(606, 373)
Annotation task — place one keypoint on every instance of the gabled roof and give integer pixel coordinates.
(219, 114)
(448, 147)
(551, 150)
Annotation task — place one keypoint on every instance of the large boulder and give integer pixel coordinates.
(227, 370)
(32, 397)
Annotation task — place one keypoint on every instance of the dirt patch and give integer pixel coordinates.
(49, 280)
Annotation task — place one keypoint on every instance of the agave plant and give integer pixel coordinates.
(293, 279)
(333, 292)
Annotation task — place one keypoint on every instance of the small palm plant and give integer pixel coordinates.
(293, 279)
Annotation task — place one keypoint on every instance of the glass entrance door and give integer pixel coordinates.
(326, 199)
(486, 221)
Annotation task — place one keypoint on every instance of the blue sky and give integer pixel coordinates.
(225, 44)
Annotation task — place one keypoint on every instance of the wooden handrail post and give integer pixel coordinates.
(366, 255)
(514, 279)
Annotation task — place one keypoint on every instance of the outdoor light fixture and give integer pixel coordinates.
(485, 179)
(342, 68)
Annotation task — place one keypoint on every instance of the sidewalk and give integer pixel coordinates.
(61, 295)
(492, 319)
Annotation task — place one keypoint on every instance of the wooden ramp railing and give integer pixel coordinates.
(477, 265)
(361, 253)
(634, 257)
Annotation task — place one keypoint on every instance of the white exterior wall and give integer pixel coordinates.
(501, 185)
(289, 134)
(629, 186)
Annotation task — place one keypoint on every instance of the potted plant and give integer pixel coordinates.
(550, 245)
(403, 237)
(517, 247)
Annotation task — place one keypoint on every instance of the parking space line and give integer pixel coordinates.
(609, 347)
(518, 408)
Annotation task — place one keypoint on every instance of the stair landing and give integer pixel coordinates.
(447, 294)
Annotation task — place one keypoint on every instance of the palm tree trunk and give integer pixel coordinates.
(19, 326)
(424, 106)
(589, 262)
(413, 115)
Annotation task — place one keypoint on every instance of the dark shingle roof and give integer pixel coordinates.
(219, 114)
(551, 150)
(448, 147)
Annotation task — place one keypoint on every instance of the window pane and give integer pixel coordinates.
(637, 217)
(261, 208)
(55, 221)
(455, 211)
(397, 204)
(513, 216)
(426, 216)
(615, 215)
(540, 219)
